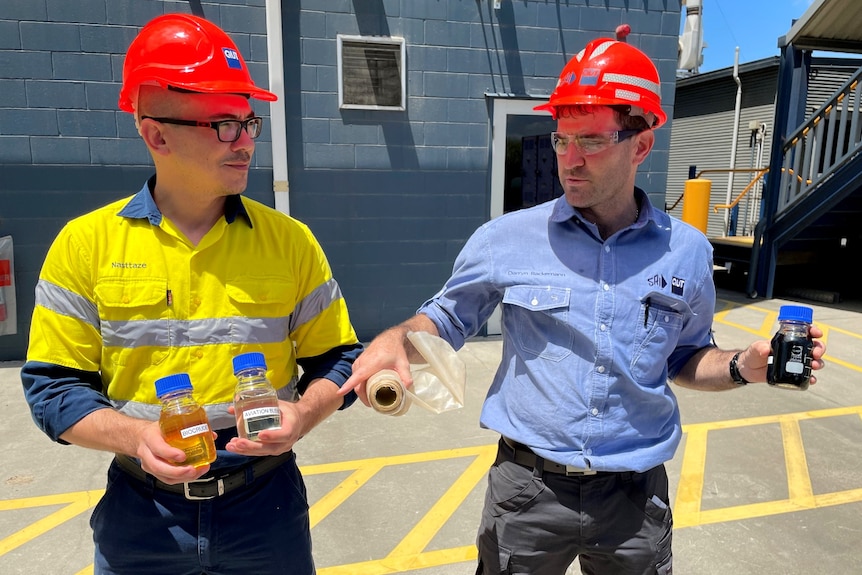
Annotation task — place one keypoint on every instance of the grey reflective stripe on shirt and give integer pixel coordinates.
(314, 303)
(183, 333)
(217, 413)
(64, 302)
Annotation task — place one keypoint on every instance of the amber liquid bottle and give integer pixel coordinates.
(183, 421)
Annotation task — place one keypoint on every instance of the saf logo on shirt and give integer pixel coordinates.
(657, 281)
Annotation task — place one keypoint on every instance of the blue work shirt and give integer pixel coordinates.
(592, 329)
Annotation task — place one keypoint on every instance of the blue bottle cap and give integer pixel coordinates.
(247, 360)
(795, 313)
(172, 383)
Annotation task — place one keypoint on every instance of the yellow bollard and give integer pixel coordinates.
(695, 202)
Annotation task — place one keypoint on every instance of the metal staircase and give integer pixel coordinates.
(812, 216)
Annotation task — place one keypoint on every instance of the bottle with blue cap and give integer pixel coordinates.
(255, 400)
(184, 421)
(789, 364)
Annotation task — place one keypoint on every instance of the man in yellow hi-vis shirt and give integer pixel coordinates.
(180, 278)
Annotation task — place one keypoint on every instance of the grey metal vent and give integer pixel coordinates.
(371, 73)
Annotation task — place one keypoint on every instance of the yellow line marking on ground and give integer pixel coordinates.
(687, 507)
(798, 480)
(330, 502)
(770, 321)
(410, 554)
(827, 330)
(690, 487)
(388, 566)
(422, 534)
(76, 503)
(770, 318)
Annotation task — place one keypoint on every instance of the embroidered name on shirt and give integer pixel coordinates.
(534, 273)
(677, 285)
(132, 265)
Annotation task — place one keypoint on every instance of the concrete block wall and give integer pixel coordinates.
(65, 147)
(392, 196)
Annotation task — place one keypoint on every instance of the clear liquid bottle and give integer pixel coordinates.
(789, 363)
(255, 401)
(183, 421)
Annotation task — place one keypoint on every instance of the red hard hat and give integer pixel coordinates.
(610, 73)
(187, 52)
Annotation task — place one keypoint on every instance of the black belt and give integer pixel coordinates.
(207, 487)
(523, 455)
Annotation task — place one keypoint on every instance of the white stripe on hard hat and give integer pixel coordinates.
(633, 81)
(601, 48)
(627, 95)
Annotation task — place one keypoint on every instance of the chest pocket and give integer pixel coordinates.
(135, 319)
(539, 318)
(657, 330)
(261, 310)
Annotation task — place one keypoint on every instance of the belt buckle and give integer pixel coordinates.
(571, 470)
(190, 497)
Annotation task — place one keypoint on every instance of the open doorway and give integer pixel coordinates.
(523, 164)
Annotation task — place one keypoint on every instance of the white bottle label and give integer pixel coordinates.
(260, 412)
(194, 430)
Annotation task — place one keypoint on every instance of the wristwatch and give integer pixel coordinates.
(734, 370)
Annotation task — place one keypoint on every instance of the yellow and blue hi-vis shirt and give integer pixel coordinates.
(124, 298)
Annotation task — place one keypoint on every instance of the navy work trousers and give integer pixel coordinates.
(262, 528)
(536, 522)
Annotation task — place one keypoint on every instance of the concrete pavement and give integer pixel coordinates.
(767, 481)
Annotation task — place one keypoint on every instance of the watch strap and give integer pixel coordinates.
(734, 370)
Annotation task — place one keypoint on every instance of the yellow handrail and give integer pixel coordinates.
(760, 173)
(718, 171)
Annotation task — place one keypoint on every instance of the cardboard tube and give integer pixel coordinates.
(386, 393)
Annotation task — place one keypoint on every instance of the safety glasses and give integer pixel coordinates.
(227, 130)
(589, 144)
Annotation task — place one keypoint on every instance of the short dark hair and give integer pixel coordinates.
(622, 113)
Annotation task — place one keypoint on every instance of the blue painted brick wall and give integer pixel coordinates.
(458, 52)
(392, 196)
(68, 56)
(60, 74)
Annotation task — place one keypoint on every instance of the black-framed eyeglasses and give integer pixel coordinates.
(227, 130)
(589, 144)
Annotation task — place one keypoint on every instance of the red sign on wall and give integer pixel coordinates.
(5, 273)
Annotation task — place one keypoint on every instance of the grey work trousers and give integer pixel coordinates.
(536, 522)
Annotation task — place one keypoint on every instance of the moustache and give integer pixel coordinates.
(243, 157)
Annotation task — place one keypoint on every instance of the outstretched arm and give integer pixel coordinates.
(708, 370)
(389, 350)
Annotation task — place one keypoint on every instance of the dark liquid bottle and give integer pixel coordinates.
(789, 364)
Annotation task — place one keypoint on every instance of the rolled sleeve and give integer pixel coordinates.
(336, 365)
(59, 396)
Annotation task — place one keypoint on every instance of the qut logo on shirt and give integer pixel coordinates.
(232, 58)
(677, 285)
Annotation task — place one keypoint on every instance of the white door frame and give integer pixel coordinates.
(503, 107)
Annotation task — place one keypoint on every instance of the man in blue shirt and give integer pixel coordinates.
(604, 299)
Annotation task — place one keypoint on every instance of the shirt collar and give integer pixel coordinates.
(143, 206)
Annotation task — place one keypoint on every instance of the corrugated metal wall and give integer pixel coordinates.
(702, 133)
